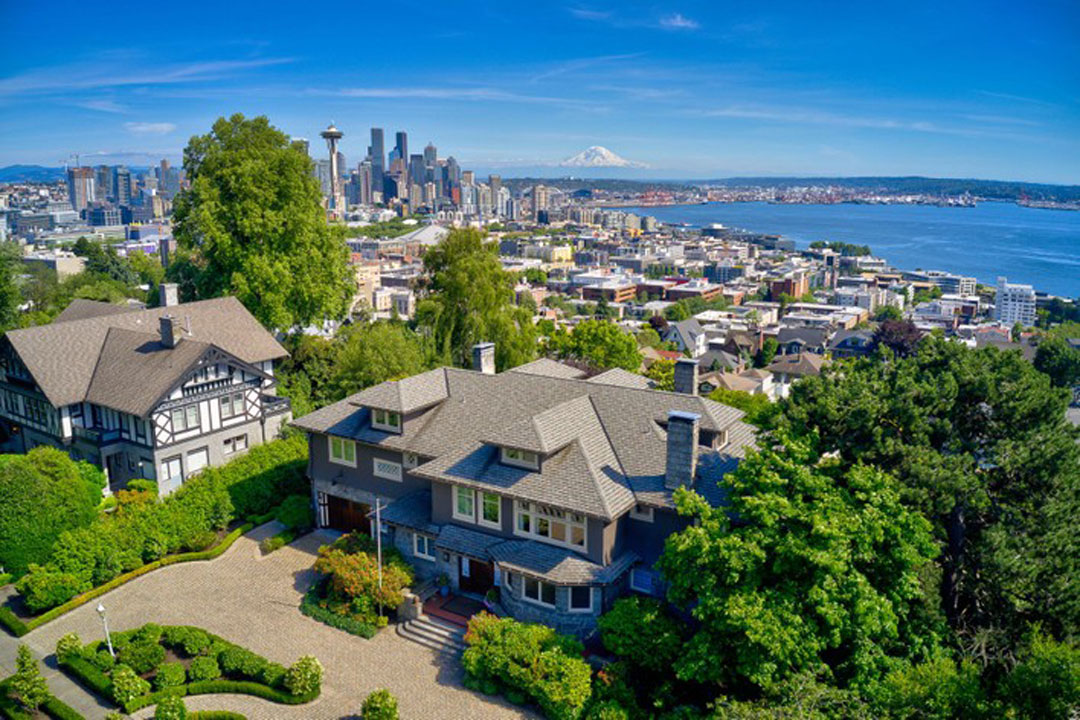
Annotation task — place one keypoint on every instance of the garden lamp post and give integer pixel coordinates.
(105, 622)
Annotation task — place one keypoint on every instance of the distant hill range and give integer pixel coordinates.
(30, 173)
(991, 189)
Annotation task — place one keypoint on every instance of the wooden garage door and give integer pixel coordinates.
(346, 515)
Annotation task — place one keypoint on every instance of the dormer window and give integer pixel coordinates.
(386, 420)
(520, 458)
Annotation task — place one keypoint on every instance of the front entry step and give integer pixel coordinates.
(434, 634)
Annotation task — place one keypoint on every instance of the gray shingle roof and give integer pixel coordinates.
(622, 378)
(81, 309)
(412, 511)
(467, 542)
(617, 450)
(558, 565)
(62, 357)
(406, 395)
(549, 368)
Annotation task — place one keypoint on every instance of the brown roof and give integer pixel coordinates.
(81, 309)
(798, 364)
(63, 357)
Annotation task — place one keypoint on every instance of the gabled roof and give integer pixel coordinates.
(406, 395)
(799, 364)
(622, 378)
(63, 357)
(814, 337)
(549, 368)
(81, 309)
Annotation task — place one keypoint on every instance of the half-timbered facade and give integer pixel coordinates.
(159, 393)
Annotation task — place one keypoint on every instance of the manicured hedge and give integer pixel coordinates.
(257, 480)
(20, 628)
(53, 707)
(215, 715)
(310, 606)
(205, 647)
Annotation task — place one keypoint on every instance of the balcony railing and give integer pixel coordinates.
(98, 436)
(275, 404)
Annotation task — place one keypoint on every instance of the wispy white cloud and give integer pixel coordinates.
(484, 94)
(80, 77)
(150, 128)
(106, 106)
(1015, 98)
(678, 21)
(570, 66)
(587, 14)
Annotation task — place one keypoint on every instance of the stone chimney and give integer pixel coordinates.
(171, 331)
(169, 295)
(483, 358)
(682, 449)
(686, 376)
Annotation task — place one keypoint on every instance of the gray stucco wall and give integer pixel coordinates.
(213, 442)
(362, 476)
(645, 538)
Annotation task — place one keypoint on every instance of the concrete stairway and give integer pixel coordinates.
(434, 633)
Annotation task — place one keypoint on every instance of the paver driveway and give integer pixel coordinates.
(253, 601)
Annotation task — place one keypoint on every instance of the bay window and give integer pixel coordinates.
(581, 598)
(549, 524)
(539, 592)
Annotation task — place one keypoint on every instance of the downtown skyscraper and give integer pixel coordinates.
(377, 151)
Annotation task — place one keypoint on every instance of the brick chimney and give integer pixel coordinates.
(682, 449)
(686, 376)
(171, 331)
(169, 295)
(483, 358)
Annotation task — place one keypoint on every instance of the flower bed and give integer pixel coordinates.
(154, 661)
(348, 596)
(19, 627)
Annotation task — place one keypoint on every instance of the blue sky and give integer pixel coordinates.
(693, 89)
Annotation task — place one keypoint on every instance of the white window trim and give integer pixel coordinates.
(497, 524)
(534, 465)
(399, 476)
(647, 516)
(532, 535)
(454, 498)
(385, 426)
(409, 460)
(570, 600)
(342, 460)
(539, 592)
(416, 547)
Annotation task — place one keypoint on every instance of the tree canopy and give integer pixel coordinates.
(470, 299)
(598, 343)
(371, 354)
(255, 225)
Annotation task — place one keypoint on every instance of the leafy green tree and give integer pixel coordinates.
(888, 312)
(42, 494)
(647, 337)
(27, 683)
(10, 297)
(768, 350)
(1057, 359)
(147, 268)
(535, 276)
(677, 312)
(253, 214)
(373, 353)
(820, 573)
(1046, 681)
(758, 408)
(937, 689)
(662, 373)
(641, 631)
(599, 343)
(470, 299)
(981, 444)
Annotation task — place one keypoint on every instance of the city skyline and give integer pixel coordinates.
(963, 91)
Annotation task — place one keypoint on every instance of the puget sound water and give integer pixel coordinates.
(1026, 245)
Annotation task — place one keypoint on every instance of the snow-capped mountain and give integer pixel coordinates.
(598, 156)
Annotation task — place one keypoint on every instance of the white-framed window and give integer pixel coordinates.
(185, 418)
(342, 451)
(539, 592)
(490, 510)
(642, 512)
(197, 460)
(581, 598)
(410, 460)
(423, 547)
(386, 469)
(386, 420)
(232, 405)
(551, 525)
(643, 581)
(464, 504)
(235, 444)
(520, 458)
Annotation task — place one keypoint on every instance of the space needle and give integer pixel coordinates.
(337, 197)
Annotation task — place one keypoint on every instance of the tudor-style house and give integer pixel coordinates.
(553, 488)
(158, 393)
